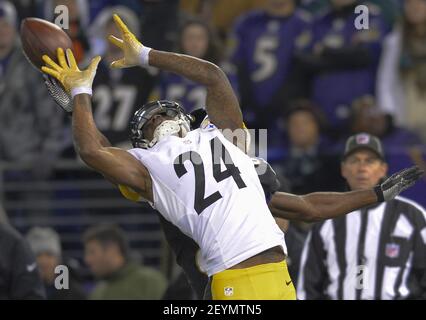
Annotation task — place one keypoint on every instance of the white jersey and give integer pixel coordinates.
(223, 208)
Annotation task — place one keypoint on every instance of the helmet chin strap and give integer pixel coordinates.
(168, 128)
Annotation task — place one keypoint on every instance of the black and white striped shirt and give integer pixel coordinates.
(374, 253)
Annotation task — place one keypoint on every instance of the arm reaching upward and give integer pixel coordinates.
(64, 100)
(222, 104)
(115, 164)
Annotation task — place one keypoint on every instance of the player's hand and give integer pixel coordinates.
(398, 183)
(131, 47)
(68, 74)
(61, 97)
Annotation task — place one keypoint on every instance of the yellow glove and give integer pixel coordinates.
(134, 52)
(73, 79)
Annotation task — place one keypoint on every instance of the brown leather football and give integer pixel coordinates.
(41, 37)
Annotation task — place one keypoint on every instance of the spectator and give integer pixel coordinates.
(26, 8)
(31, 125)
(220, 13)
(87, 10)
(343, 59)
(263, 46)
(309, 164)
(158, 23)
(390, 8)
(46, 246)
(107, 255)
(367, 117)
(196, 39)
(97, 30)
(401, 80)
(402, 146)
(19, 278)
(117, 93)
(315, 6)
(378, 252)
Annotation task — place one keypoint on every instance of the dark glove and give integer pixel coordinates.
(398, 183)
(198, 115)
(267, 176)
(61, 97)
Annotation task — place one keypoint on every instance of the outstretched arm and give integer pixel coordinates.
(115, 164)
(222, 104)
(320, 205)
(63, 99)
(327, 205)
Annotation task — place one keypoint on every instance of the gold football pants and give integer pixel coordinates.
(270, 281)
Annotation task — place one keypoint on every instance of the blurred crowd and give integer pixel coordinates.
(301, 69)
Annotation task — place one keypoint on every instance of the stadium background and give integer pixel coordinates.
(42, 183)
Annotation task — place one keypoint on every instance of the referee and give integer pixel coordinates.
(377, 252)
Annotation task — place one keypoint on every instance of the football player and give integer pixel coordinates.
(198, 180)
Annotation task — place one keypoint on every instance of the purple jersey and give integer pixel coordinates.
(117, 94)
(188, 94)
(334, 90)
(264, 45)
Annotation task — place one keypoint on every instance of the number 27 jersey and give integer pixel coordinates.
(210, 190)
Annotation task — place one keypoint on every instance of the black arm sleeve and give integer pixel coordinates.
(26, 282)
(185, 250)
(314, 275)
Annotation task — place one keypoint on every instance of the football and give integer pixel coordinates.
(40, 37)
